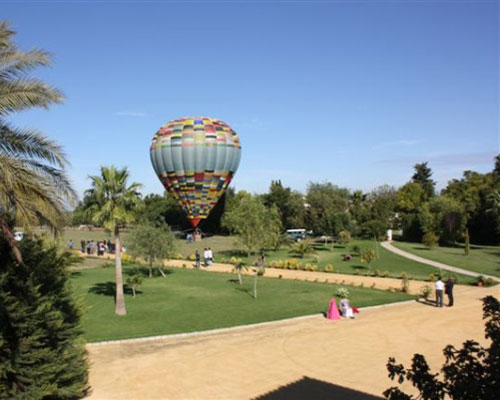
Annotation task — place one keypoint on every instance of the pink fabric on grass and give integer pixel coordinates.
(333, 311)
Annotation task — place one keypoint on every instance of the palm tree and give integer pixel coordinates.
(33, 185)
(112, 206)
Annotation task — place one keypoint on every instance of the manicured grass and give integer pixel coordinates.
(482, 259)
(192, 300)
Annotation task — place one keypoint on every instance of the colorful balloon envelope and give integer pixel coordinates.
(196, 159)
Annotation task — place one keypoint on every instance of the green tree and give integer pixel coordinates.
(423, 175)
(445, 217)
(42, 353)
(290, 205)
(430, 239)
(134, 281)
(33, 183)
(252, 222)
(327, 208)
(152, 244)
(410, 197)
(368, 256)
(469, 373)
(113, 208)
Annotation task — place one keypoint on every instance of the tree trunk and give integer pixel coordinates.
(150, 269)
(10, 239)
(133, 291)
(120, 300)
(239, 277)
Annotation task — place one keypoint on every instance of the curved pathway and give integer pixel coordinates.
(387, 245)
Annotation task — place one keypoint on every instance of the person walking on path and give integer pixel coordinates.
(205, 257)
(439, 292)
(449, 291)
(197, 258)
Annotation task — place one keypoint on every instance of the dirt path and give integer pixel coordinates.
(253, 361)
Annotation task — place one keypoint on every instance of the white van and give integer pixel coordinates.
(296, 234)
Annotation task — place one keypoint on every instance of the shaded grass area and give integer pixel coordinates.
(481, 259)
(192, 300)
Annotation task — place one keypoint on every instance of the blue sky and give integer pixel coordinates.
(350, 92)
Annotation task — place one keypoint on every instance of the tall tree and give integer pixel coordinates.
(423, 175)
(113, 208)
(327, 208)
(254, 224)
(33, 184)
(290, 204)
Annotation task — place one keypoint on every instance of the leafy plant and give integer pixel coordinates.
(425, 291)
(430, 240)
(368, 256)
(342, 292)
(134, 281)
(468, 373)
(405, 282)
(302, 248)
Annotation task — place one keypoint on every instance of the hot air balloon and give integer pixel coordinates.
(195, 159)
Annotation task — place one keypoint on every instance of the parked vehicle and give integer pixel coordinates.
(296, 234)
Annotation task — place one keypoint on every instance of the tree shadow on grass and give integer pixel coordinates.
(245, 290)
(358, 267)
(144, 271)
(109, 289)
(74, 274)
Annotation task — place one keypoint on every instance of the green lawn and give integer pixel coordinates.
(482, 259)
(191, 300)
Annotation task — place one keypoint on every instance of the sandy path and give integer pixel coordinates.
(387, 245)
(250, 362)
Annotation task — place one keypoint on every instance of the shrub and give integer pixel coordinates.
(107, 265)
(281, 264)
(430, 240)
(192, 257)
(261, 271)
(177, 256)
(356, 249)
(468, 373)
(342, 292)
(329, 268)
(368, 256)
(377, 272)
(425, 291)
(385, 274)
(344, 237)
(42, 354)
(235, 260)
(134, 281)
(432, 278)
(480, 280)
(127, 259)
(292, 263)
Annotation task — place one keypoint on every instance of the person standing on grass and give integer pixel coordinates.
(197, 258)
(82, 245)
(449, 291)
(439, 292)
(210, 256)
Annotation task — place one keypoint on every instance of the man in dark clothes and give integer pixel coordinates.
(449, 291)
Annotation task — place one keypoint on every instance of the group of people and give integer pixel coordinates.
(444, 288)
(346, 310)
(208, 257)
(92, 247)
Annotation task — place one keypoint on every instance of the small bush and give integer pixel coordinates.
(342, 292)
(292, 262)
(377, 273)
(430, 240)
(385, 274)
(235, 260)
(329, 268)
(432, 278)
(261, 271)
(425, 291)
(177, 256)
(107, 265)
(344, 237)
(356, 249)
(192, 257)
